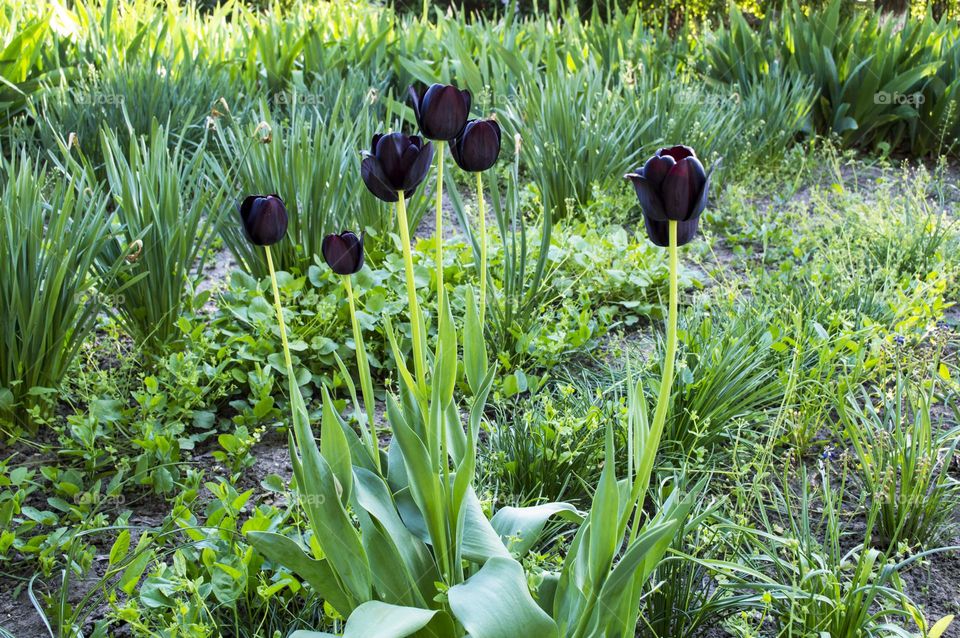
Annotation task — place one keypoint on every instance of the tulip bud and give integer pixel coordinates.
(441, 111)
(478, 146)
(343, 252)
(264, 219)
(397, 162)
(671, 186)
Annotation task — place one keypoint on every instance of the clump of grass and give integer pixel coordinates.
(166, 209)
(904, 455)
(51, 235)
(548, 446)
(729, 374)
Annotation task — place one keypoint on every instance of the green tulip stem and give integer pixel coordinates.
(666, 381)
(419, 358)
(363, 370)
(279, 309)
(439, 231)
(483, 246)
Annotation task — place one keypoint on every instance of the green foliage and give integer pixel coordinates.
(879, 83)
(313, 154)
(50, 241)
(167, 209)
(904, 458)
(811, 585)
(548, 446)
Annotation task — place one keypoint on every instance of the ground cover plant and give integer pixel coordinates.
(493, 320)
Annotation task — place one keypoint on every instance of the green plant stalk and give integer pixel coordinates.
(651, 441)
(419, 358)
(276, 304)
(363, 370)
(439, 224)
(666, 380)
(483, 246)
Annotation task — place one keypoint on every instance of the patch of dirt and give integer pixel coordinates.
(216, 273)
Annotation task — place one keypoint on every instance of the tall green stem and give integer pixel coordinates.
(483, 247)
(651, 439)
(276, 304)
(439, 231)
(666, 381)
(419, 356)
(363, 370)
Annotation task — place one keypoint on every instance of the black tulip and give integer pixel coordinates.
(264, 219)
(671, 186)
(478, 146)
(343, 252)
(441, 111)
(396, 162)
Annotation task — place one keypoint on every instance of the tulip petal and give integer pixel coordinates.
(650, 200)
(443, 112)
(478, 147)
(389, 152)
(419, 168)
(681, 188)
(657, 168)
(701, 204)
(246, 207)
(678, 152)
(659, 231)
(375, 180)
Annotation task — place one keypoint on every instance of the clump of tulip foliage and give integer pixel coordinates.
(402, 546)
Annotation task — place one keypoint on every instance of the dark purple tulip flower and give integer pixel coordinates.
(264, 219)
(343, 252)
(478, 146)
(671, 186)
(396, 162)
(441, 111)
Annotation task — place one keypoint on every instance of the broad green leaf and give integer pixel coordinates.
(375, 619)
(474, 345)
(495, 603)
(520, 527)
(120, 547)
(284, 551)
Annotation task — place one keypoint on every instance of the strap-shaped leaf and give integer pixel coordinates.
(284, 551)
(474, 345)
(320, 498)
(375, 619)
(374, 497)
(520, 527)
(480, 541)
(335, 449)
(495, 603)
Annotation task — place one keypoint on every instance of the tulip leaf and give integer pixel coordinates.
(320, 497)
(335, 449)
(495, 603)
(376, 619)
(374, 497)
(474, 345)
(284, 551)
(520, 527)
